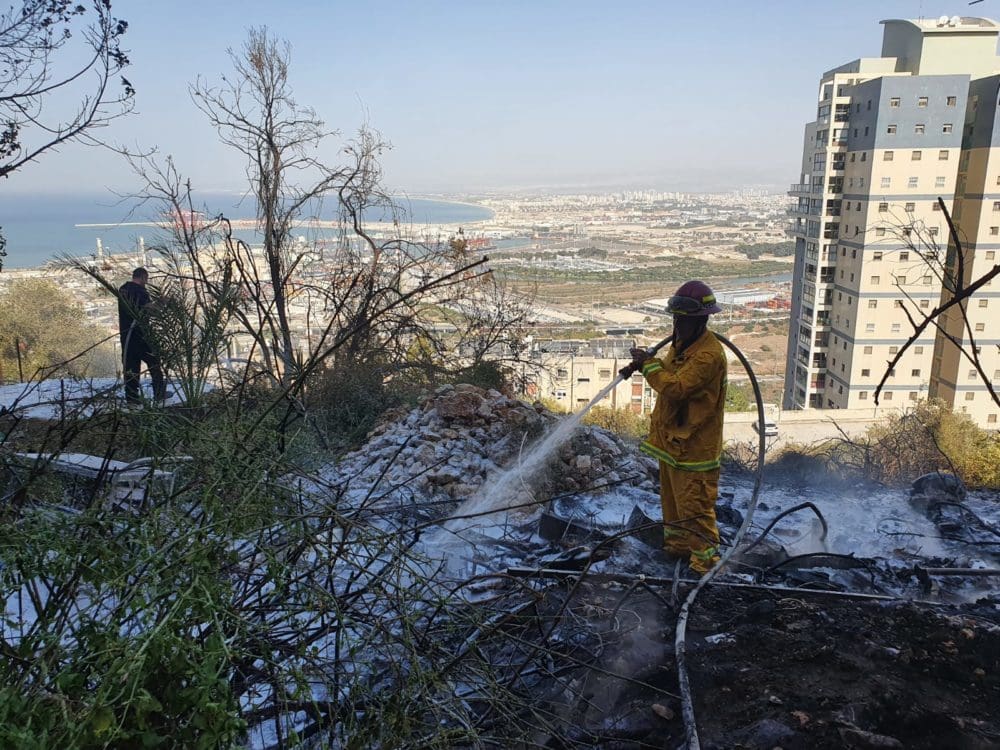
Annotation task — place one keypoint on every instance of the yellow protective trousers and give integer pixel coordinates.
(688, 502)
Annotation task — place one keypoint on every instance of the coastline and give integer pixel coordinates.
(41, 228)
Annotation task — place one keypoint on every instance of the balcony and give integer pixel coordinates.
(799, 188)
(802, 211)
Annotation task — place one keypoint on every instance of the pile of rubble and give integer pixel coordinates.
(461, 437)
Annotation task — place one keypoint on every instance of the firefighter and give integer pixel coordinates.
(686, 425)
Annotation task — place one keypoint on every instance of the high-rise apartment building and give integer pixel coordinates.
(892, 135)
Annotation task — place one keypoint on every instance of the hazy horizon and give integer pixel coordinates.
(561, 96)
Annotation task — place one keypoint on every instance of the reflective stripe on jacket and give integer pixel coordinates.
(686, 424)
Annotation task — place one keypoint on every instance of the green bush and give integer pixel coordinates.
(348, 398)
(901, 447)
(622, 422)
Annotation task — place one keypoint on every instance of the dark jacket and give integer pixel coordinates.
(132, 298)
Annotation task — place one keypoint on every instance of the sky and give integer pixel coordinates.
(475, 96)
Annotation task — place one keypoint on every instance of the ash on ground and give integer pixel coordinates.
(867, 618)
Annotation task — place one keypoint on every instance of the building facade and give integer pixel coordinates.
(896, 138)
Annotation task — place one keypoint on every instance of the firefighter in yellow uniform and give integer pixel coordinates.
(686, 425)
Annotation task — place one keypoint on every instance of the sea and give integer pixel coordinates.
(41, 227)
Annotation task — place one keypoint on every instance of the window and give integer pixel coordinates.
(604, 374)
(914, 373)
(869, 328)
(933, 231)
(904, 255)
(913, 395)
(880, 232)
(916, 155)
(943, 154)
(912, 182)
(868, 350)
(876, 280)
(939, 182)
(918, 350)
(864, 156)
(866, 373)
(991, 418)
(887, 396)
(888, 155)
(926, 280)
(894, 102)
(897, 303)
(996, 205)
(883, 207)
(877, 255)
(891, 130)
(872, 304)
(951, 101)
(924, 303)
(921, 101)
(863, 396)
(918, 129)
(911, 206)
(893, 349)
(972, 374)
(970, 396)
(991, 254)
(900, 279)
(886, 182)
(895, 328)
(946, 128)
(980, 327)
(562, 373)
(983, 302)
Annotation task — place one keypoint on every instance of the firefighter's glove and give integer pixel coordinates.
(638, 356)
(627, 371)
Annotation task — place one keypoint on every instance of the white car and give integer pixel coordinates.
(770, 428)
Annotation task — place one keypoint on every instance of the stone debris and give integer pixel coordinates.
(461, 436)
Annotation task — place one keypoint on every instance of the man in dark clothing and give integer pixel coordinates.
(132, 298)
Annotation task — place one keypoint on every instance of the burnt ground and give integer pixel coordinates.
(772, 670)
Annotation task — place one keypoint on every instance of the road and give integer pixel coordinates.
(797, 431)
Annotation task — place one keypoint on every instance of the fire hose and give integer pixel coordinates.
(680, 637)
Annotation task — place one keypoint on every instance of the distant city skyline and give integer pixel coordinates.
(474, 97)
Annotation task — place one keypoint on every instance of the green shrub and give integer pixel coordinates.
(622, 422)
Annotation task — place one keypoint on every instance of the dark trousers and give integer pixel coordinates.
(134, 352)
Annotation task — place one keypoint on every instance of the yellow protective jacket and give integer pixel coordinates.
(686, 424)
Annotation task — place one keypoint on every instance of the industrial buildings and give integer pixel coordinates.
(892, 135)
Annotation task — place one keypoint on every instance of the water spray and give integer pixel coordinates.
(501, 494)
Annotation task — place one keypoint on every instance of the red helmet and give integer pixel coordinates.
(693, 298)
